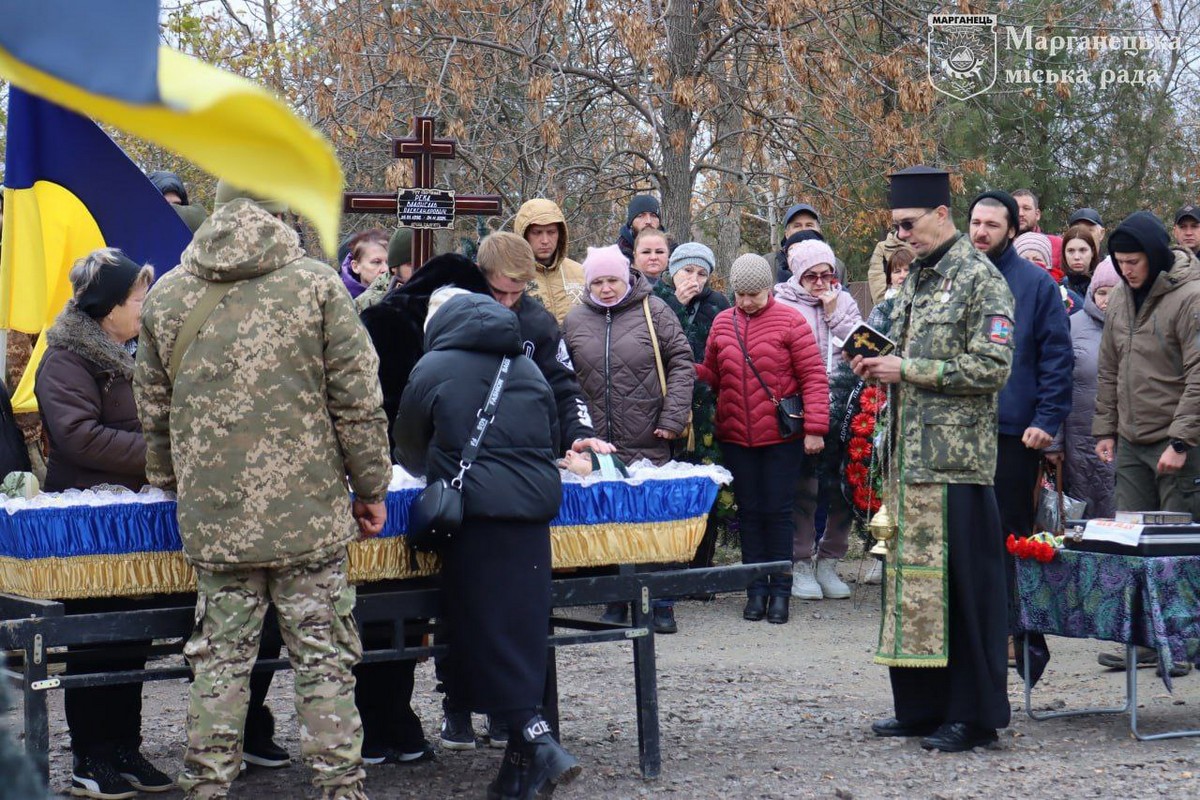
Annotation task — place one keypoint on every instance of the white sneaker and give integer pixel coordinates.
(828, 581)
(874, 575)
(804, 583)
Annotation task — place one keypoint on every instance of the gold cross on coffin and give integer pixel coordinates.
(424, 150)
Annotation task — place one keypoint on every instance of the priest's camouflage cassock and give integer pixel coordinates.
(954, 324)
(274, 405)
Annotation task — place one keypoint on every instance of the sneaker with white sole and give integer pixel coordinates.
(134, 767)
(98, 778)
(804, 582)
(874, 575)
(457, 732)
(832, 586)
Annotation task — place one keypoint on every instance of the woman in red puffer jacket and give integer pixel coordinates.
(761, 334)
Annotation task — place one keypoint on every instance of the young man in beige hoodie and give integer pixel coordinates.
(559, 280)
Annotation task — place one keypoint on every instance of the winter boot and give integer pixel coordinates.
(547, 764)
(830, 584)
(507, 783)
(804, 582)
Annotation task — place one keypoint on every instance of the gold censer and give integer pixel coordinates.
(882, 529)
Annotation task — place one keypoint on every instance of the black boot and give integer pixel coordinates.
(547, 764)
(756, 608)
(777, 610)
(507, 784)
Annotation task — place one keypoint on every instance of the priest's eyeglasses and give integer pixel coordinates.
(909, 224)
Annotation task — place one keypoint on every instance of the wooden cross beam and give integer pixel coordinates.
(424, 150)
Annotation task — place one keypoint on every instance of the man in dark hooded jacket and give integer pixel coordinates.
(644, 212)
(1148, 399)
(171, 187)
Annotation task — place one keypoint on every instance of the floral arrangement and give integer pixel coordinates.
(1041, 546)
(863, 474)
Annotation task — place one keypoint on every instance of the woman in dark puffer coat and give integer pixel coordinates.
(613, 354)
(765, 465)
(609, 338)
(496, 568)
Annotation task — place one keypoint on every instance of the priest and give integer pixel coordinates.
(944, 628)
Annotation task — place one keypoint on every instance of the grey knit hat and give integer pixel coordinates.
(691, 253)
(750, 274)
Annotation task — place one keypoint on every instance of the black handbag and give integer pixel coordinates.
(438, 510)
(789, 411)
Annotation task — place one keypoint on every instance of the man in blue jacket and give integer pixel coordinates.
(1037, 398)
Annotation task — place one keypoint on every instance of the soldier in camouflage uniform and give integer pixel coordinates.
(256, 424)
(944, 623)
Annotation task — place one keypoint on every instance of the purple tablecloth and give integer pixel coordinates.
(1153, 602)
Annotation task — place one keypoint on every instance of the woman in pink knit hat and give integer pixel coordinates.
(814, 291)
(617, 356)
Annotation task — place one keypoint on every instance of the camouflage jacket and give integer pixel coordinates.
(953, 323)
(275, 403)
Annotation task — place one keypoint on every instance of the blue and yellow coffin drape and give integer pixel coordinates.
(133, 548)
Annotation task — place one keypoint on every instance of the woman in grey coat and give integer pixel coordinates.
(1086, 476)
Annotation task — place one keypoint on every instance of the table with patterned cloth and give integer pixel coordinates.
(1148, 601)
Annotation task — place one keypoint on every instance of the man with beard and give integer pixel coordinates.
(1030, 212)
(943, 628)
(1037, 398)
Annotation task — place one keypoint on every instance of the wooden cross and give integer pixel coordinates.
(424, 151)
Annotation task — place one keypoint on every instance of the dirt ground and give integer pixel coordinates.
(751, 710)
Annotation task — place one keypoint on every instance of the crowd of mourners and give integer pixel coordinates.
(640, 351)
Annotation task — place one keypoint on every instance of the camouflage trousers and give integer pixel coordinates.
(314, 604)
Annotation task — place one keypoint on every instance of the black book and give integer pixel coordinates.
(867, 342)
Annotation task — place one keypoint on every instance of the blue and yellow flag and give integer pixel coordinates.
(69, 189)
(101, 58)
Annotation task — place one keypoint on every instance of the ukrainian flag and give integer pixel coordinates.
(101, 58)
(69, 189)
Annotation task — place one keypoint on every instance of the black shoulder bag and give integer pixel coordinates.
(438, 510)
(789, 411)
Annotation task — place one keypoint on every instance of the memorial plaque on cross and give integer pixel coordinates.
(421, 205)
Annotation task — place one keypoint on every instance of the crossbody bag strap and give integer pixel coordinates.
(658, 361)
(484, 418)
(214, 293)
(750, 361)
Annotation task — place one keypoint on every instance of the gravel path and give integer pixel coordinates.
(751, 710)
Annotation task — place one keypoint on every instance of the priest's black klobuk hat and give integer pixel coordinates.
(919, 187)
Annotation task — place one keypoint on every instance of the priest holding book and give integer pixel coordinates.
(944, 623)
